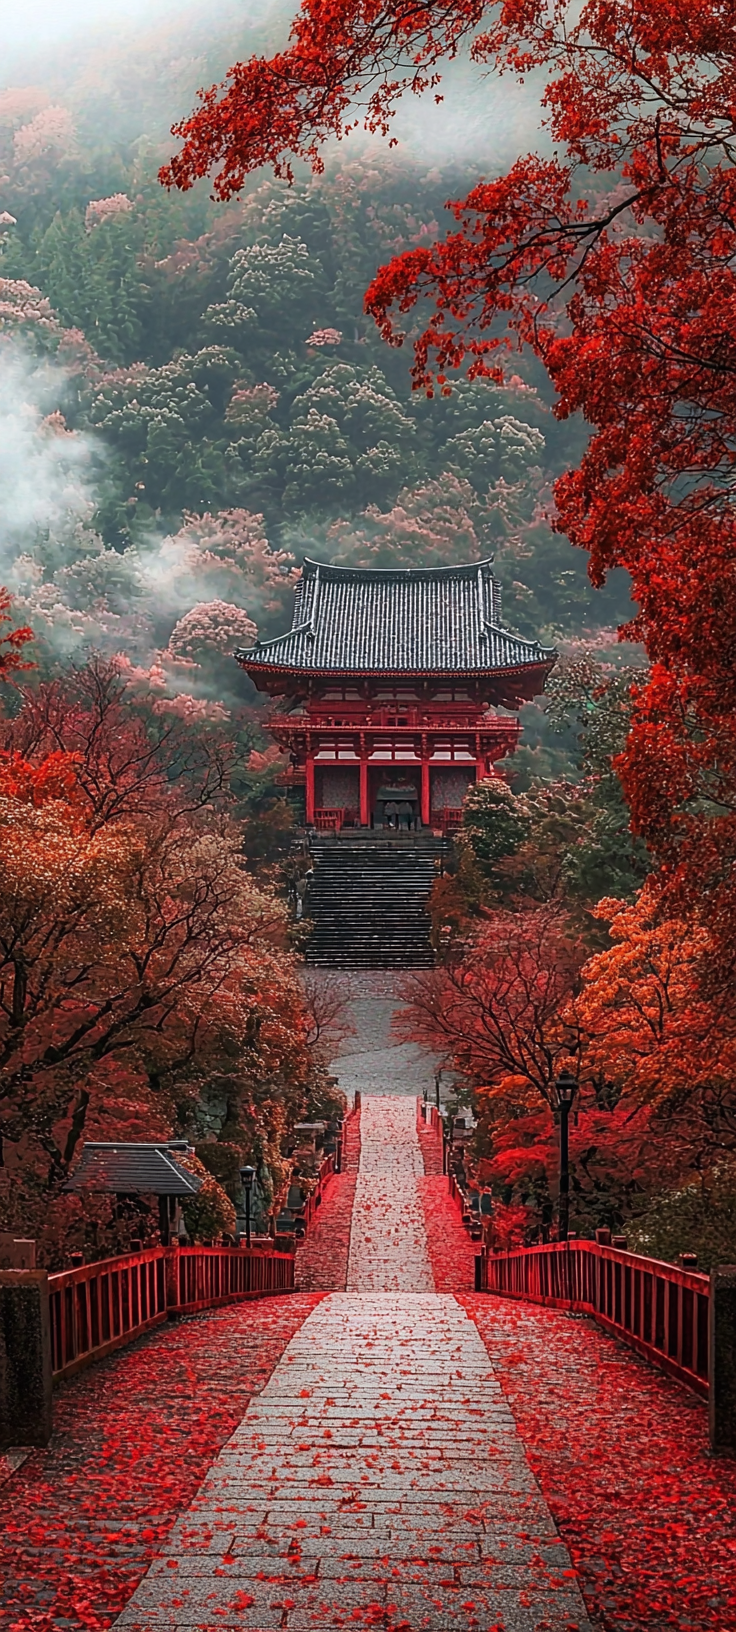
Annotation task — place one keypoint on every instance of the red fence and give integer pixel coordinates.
(329, 821)
(101, 1306)
(660, 1310)
(203, 1277)
(314, 1200)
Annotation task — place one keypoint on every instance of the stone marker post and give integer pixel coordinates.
(722, 1359)
(25, 1358)
(16, 1253)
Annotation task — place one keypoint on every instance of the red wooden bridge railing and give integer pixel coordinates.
(681, 1321)
(99, 1307)
(657, 1308)
(314, 1199)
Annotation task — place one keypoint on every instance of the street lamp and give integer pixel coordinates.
(247, 1175)
(566, 1087)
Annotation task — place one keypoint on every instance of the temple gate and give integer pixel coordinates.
(400, 686)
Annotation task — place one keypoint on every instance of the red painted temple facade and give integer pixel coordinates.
(399, 688)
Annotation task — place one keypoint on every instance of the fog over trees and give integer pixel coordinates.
(193, 398)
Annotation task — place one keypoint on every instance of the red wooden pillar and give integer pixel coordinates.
(365, 815)
(310, 790)
(481, 769)
(426, 798)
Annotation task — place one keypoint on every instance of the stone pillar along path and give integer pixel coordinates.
(378, 1480)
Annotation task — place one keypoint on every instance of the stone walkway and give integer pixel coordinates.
(378, 1480)
(388, 1243)
(371, 1060)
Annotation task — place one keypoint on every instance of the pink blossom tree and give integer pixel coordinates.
(106, 209)
(432, 524)
(48, 136)
(210, 630)
(229, 555)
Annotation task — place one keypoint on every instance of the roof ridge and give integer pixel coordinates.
(303, 628)
(397, 572)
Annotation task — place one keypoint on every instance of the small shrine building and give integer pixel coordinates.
(394, 680)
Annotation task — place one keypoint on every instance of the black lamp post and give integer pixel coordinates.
(247, 1175)
(566, 1087)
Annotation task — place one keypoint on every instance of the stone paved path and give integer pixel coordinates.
(370, 1059)
(378, 1480)
(388, 1243)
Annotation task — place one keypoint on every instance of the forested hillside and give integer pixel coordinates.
(193, 397)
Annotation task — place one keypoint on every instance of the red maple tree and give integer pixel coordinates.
(139, 960)
(499, 1009)
(507, 1014)
(12, 641)
(613, 260)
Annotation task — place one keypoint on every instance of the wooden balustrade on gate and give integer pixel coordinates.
(99, 1307)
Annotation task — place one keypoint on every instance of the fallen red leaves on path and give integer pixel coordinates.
(621, 1454)
(322, 1259)
(430, 1144)
(451, 1251)
(133, 1438)
(351, 1142)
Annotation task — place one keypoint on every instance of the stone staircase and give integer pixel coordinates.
(368, 901)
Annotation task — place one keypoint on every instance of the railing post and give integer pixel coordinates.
(722, 1359)
(172, 1278)
(25, 1358)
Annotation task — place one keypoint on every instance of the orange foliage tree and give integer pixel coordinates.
(664, 1043)
(654, 1054)
(145, 984)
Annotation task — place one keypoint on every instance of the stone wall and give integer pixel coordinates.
(25, 1358)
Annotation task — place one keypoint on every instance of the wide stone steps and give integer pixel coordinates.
(368, 904)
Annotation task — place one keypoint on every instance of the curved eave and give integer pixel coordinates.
(284, 672)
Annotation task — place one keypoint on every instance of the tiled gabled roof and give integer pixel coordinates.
(397, 621)
(133, 1170)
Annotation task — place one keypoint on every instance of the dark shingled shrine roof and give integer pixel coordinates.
(127, 1170)
(398, 621)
